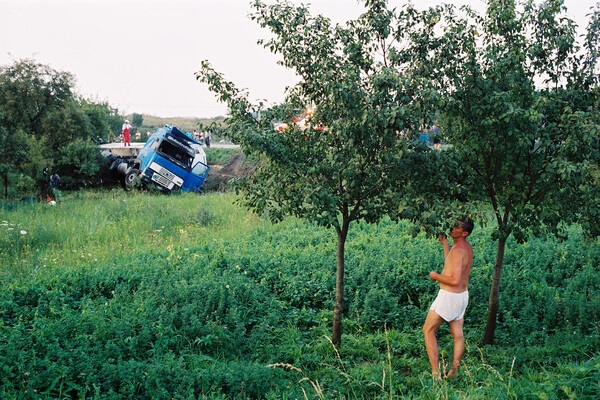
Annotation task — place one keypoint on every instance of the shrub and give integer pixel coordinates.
(124, 295)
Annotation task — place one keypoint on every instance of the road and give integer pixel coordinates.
(118, 149)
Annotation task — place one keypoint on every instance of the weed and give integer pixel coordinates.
(118, 294)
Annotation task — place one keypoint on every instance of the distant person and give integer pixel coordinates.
(453, 296)
(54, 181)
(207, 136)
(424, 137)
(126, 133)
(47, 178)
(148, 133)
(435, 132)
(138, 135)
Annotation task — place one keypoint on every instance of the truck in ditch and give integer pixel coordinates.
(170, 160)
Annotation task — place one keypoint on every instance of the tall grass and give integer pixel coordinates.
(98, 226)
(113, 294)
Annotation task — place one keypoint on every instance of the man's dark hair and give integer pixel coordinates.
(467, 223)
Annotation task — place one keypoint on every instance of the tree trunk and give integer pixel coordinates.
(338, 310)
(6, 185)
(490, 328)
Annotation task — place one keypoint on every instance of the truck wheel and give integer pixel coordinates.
(130, 177)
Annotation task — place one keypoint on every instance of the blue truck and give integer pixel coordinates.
(170, 160)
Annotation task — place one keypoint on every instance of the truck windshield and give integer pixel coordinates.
(176, 154)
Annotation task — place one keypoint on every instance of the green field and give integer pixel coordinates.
(125, 295)
(185, 124)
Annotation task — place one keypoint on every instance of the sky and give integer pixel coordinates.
(141, 55)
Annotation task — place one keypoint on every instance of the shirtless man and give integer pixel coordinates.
(452, 298)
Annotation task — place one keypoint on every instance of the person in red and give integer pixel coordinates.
(126, 134)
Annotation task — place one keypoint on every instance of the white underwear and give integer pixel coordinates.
(450, 306)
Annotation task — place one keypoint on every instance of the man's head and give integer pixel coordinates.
(463, 227)
(466, 223)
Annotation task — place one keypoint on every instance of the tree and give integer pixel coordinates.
(104, 119)
(137, 120)
(79, 163)
(29, 91)
(13, 151)
(40, 115)
(349, 159)
(518, 108)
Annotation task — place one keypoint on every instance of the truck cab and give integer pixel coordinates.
(170, 160)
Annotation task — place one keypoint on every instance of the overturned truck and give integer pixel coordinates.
(170, 160)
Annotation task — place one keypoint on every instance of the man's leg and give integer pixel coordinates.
(432, 323)
(456, 330)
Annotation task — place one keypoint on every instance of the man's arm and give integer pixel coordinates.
(452, 273)
(444, 242)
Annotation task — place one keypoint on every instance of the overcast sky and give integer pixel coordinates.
(141, 55)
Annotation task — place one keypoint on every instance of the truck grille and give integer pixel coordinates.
(164, 177)
(165, 172)
(161, 180)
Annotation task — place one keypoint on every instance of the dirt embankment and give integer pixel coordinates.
(219, 175)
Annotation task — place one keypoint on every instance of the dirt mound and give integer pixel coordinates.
(220, 175)
(233, 167)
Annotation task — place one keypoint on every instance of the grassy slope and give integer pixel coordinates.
(185, 124)
(139, 294)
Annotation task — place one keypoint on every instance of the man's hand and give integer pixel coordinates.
(432, 275)
(444, 241)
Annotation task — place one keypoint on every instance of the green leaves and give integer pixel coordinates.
(343, 162)
(39, 107)
(29, 90)
(518, 114)
(514, 95)
(347, 160)
(519, 139)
